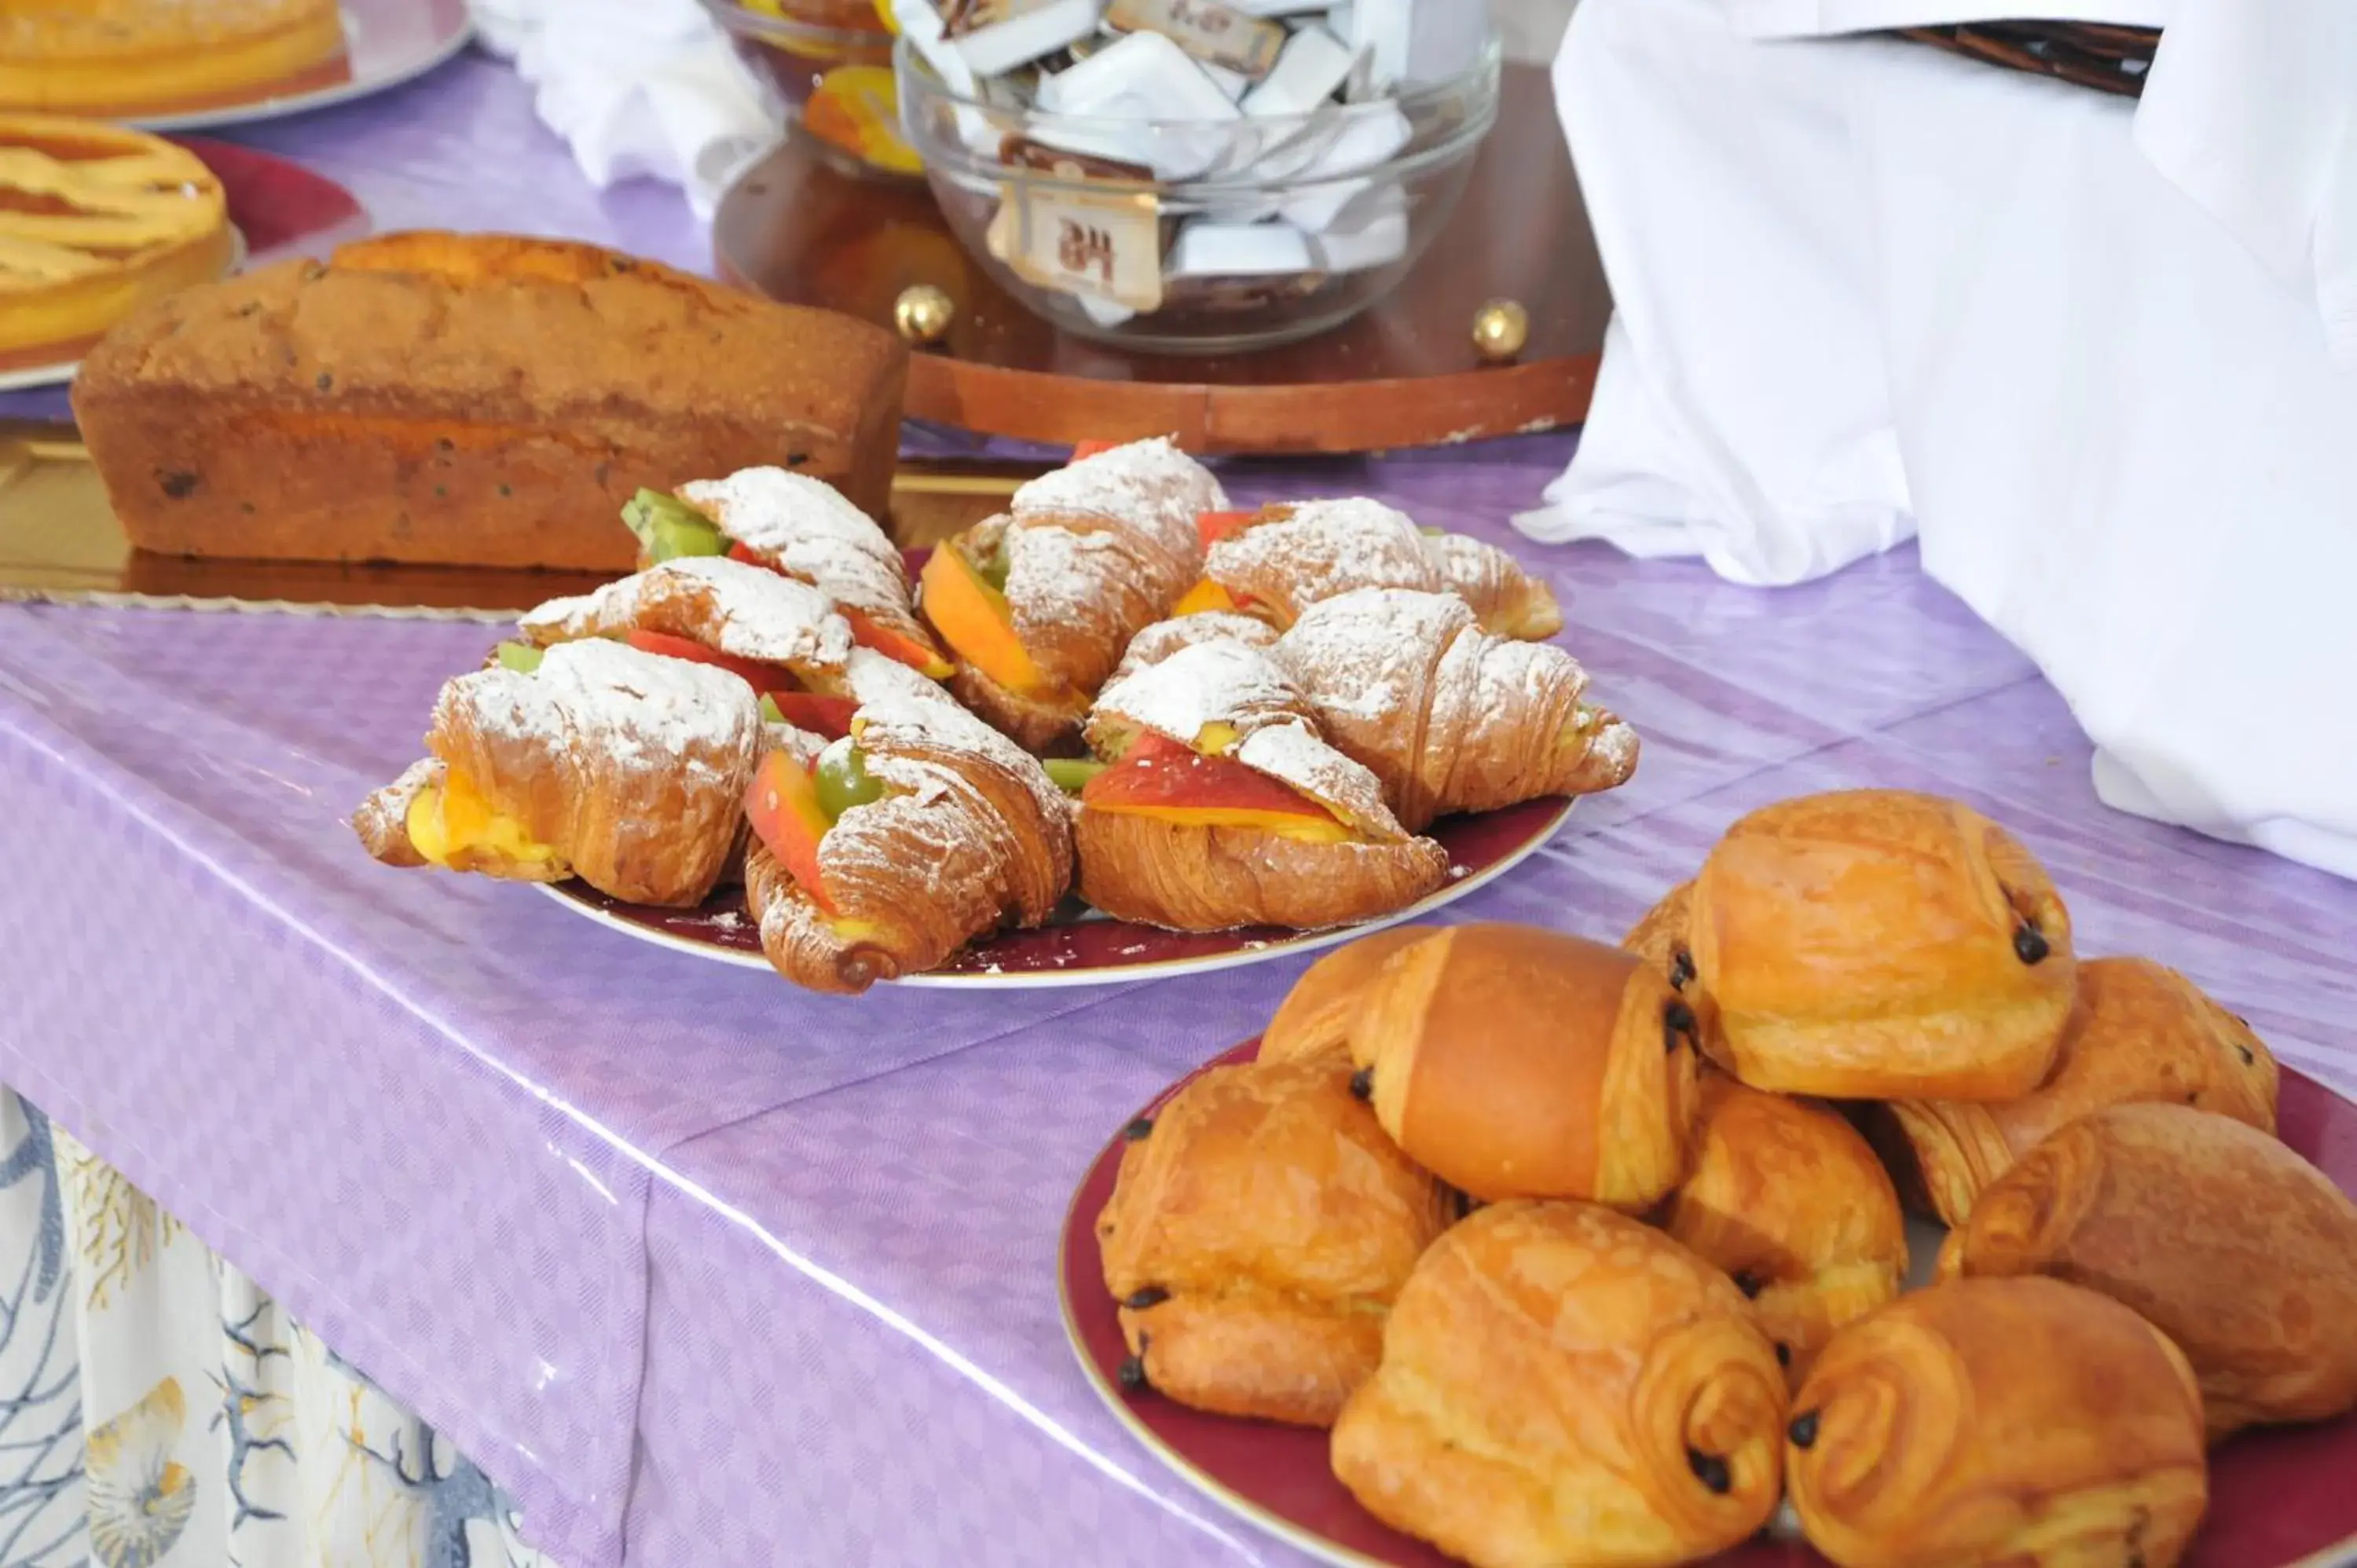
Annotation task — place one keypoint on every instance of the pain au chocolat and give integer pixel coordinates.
(1259, 1228)
(1561, 1385)
(2241, 1252)
(1880, 944)
(2138, 1031)
(1515, 1062)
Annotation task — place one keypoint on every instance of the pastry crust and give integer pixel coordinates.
(1880, 944)
(969, 836)
(1789, 1199)
(468, 400)
(2019, 1422)
(629, 765)
(744, 611)
(1314, 1020)
(114, 56)
(1256, 1236)
(1514, 1062)
(1450, 717)
(2241, 1252)
(2137, 1031)
(1509, 601)
(1292, 556)
(1165, 638)
(1560, 1385)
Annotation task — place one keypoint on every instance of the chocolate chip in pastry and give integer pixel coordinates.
(2023, 1422)
(1879, 944)
(1561, 1385)
(1514, 1062)
(2138, 1031)
(2225, 1240)
(1259, 1228)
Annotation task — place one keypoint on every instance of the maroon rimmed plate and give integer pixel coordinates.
(1078, 946)
(2279, 1498)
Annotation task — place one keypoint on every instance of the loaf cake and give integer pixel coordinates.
(84, 55)
(475, 399)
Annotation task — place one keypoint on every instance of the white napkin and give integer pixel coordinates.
(639, 88)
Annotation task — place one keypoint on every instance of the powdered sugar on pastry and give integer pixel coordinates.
(1165, 638)
(1293, 754)
(933, 722)
(1208, 684)
(638, 707)
(1052, 575)
(1356, 639)
(746, 611)
(1319, 549)
(807, 528)
(872, 677)
(1149, 486)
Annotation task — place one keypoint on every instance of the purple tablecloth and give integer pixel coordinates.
(693, 1261)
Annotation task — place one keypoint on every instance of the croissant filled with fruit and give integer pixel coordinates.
(917, 830)
(1275, 563)
(1221, 806)
(594, 759)
(1036, 607)
(1447, 716)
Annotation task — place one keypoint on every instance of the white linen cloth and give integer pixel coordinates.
(638, 87)
(1865, 288)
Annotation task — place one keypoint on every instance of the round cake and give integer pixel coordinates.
(96, 221)
(74, 56)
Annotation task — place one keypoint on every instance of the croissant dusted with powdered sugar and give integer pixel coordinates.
(1561, 1385)
(1450, 717)
(954, 833)
(2023, 1422)
(624, 769)
(1282, 558)
(1037, 606)
(1258, 1231)
(2224, 1239)
(1788, 1199)
(1165, 638)
(1223, 807)
(739, 610)
(2137, 1031)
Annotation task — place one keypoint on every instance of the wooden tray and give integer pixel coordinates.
(1404, 374)
(59, 543)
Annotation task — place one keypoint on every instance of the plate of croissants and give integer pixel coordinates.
(1507, 1247)
(1122, 728)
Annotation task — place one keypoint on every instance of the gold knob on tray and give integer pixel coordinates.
(1501, 329)
(924, 313)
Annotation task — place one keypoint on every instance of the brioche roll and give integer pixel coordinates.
(1259, 1228)
(1789, 1199)
(2022, 1422)
(2241, 1252)
(1563, 1386)
(1513, 1062)
(1877, 944)
(2137, 1031)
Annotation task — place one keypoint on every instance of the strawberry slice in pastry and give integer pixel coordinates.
(1223, 806)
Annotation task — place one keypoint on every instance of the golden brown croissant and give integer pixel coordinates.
(1879, 944)
(1514, 1062)
(2241, 1252)
(1223, 807)
(805, 529)
(728, 607)
(962, 834)
(1259, 1228)
(1788, 1199)
(1564, 1388)
(1279, 560)
(1450, 717)
(2022, 1423)
(2137, 1031)
(1314, 1020)
(624, 768)
(1165, 638)
(1037, 606)
(1659, 936)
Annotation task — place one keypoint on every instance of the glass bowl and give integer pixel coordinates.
(1200, 237)
(831, 62)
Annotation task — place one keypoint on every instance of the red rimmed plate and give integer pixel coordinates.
(386, 43)
(1081, 947)
(277, 209)
(2279, 1498)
